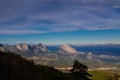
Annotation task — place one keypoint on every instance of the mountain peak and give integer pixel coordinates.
(67, 48)
(22, 46)
(40, 47)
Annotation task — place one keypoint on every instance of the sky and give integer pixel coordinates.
(60, 21)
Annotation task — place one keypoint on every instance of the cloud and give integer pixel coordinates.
(116, 6)
(39, 16)
(20, 32)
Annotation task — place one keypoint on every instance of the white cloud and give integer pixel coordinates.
(23, 17)
(19, 32)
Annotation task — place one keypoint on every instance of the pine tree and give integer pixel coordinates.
(79, 71)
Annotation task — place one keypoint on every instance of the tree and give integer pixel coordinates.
(79, 71)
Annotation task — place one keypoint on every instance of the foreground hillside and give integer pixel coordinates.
(103, 75)
(14, 67)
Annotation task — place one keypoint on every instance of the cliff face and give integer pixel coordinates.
(25, 49)
(67, 49)
(40, 48)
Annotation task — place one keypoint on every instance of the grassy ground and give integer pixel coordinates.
(103, 75)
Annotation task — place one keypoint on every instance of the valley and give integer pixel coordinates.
(62, 56)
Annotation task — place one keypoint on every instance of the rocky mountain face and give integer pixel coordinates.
(67, 49)
(1, 49)
(64, 52)
(90, 56)
(38, 48)
(25, 49)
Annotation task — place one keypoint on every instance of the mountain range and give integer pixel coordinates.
(25, 49)
(106, 49)
(86, 53)
(36, 48)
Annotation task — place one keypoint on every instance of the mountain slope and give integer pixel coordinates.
(39, 48)
(14, 67)
(67, 49)
(25, 49)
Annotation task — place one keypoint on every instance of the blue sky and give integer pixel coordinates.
(60, 21)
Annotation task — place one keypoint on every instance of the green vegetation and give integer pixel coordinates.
(103, 75)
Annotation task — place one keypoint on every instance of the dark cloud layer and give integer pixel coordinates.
(41, 16)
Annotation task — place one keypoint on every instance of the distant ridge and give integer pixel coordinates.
(1, 45)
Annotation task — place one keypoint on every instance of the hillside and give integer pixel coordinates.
(14, 67)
